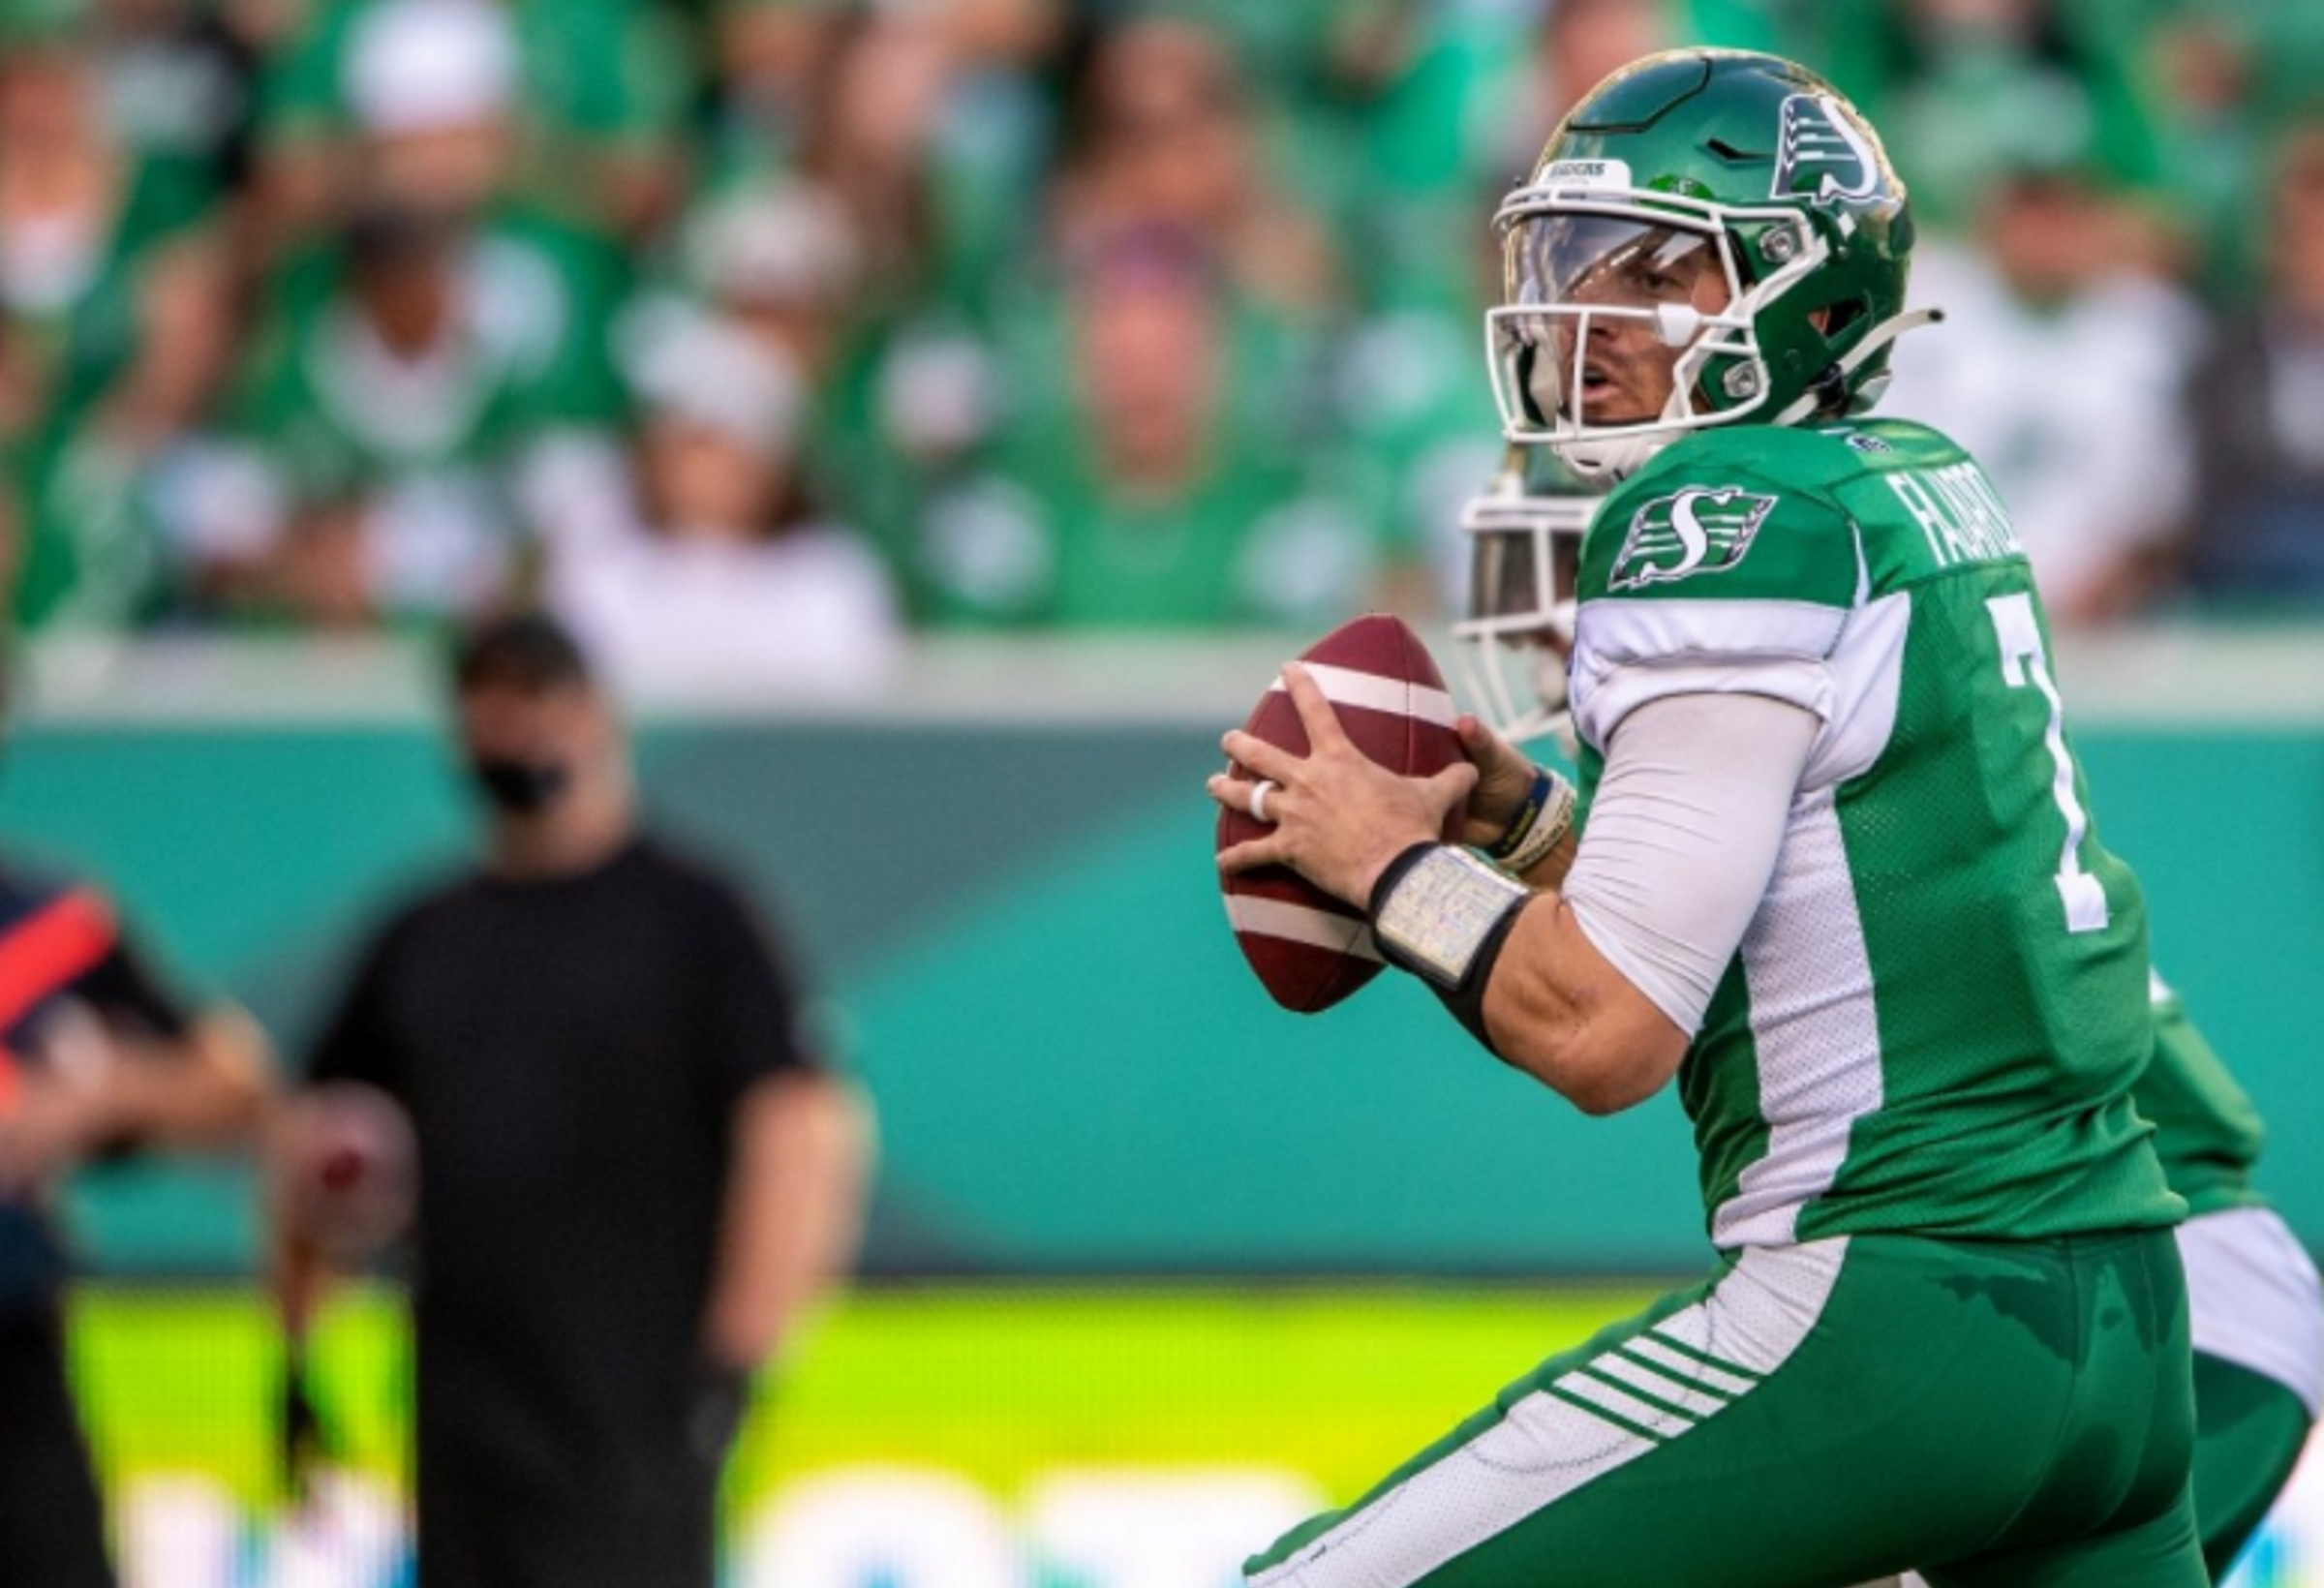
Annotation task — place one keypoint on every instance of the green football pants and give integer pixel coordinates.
(1996, 1413)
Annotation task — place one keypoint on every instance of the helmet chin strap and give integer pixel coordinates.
(1613, 461)
(1879, 337)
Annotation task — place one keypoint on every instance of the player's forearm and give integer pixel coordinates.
(207, 1090)
(1550, 874)
(1558, 1010)
(794, 1212)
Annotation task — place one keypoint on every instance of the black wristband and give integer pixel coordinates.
(1452, 935)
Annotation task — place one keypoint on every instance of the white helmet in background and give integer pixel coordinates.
(1514, 641)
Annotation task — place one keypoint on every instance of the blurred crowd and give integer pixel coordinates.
(755, 335)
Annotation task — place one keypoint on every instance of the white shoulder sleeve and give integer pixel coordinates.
(1682, 838)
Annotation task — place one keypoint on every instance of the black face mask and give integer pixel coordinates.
(521, 787)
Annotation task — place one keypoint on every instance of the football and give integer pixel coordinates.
(1309, 949)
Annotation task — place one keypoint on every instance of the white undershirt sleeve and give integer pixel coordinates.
(1682, 839)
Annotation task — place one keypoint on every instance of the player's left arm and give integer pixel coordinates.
(1595, 990)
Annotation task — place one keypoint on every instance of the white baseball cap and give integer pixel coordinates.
(416, 66)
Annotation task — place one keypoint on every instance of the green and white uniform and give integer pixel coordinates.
(2256, 1306)
(1935, 1020)
(1949, 1323)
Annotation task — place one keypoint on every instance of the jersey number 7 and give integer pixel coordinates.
(2024, 662)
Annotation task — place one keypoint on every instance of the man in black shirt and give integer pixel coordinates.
(97, 1058)
(632, 1168)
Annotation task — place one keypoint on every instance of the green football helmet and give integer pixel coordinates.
(1728, 206)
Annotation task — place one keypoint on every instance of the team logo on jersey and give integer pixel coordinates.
(1821, 155)
(1697, 531)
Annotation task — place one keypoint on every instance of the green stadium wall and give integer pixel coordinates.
(1019, 928)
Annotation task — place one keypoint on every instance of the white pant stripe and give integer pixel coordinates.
(1545, 1449)
(1682, 1366)
(1687, 1397)
(1629, 1408)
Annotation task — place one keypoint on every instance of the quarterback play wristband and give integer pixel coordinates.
(1440, 913)
(1544, 817)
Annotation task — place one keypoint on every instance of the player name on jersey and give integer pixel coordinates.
(1958, 513)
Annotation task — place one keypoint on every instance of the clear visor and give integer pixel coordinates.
(1609, 260)
(1607, 321)
(1517, 636)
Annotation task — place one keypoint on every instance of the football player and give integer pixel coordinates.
(2255, 1303)
(1840, 880)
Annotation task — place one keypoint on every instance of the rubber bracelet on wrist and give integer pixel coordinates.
(1548, 832)
(1529, 810)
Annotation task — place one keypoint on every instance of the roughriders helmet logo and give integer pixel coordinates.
(1821, 155)
(1697, 531)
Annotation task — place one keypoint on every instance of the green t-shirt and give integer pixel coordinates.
(2205, 1127)
(429, 450)
(1936, 1017)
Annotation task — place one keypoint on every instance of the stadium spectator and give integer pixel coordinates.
(365, 468)
(635, 1169)
(710, 569)
(368, 467)
(779, 259)
(2255, 531)
(112, 328)
(1577, 44)
(1166, 135)
(2061, 370)
(180, 88)
(1963, 83)
(574, 105)
(98, 1054)
(1164, 491)
(2210, 132)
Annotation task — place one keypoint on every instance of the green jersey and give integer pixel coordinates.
(1934, 1018)
(2205, 1127)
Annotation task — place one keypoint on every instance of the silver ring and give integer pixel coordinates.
(1259, 793)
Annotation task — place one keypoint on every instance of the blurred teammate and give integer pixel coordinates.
(2256, 1304)
(634, 1168)
(1839, 879)
(97, 1056)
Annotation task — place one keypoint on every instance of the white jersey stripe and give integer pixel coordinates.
(1301, 923)
(1812, 1024)
(1544, 1448)
(1369, 691)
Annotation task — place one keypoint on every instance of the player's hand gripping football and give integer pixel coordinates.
(1339, 816)
(1504, 778)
